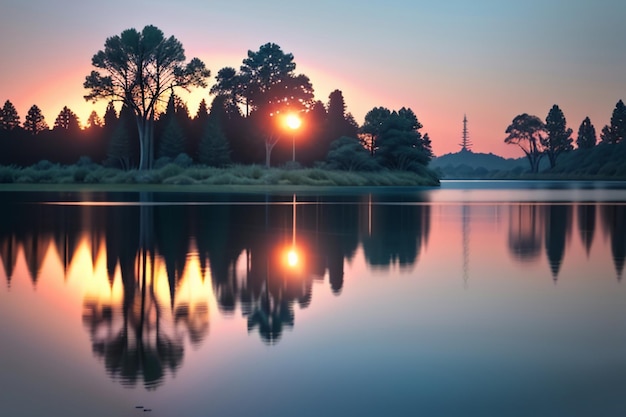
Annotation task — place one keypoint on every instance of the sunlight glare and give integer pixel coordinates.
(293, 121)
(292, 258)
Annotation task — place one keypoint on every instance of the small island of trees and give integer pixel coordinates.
(148, 135)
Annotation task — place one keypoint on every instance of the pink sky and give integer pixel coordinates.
(489, 59)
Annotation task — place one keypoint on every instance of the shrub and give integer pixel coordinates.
(80, 174)
(43, 165)
(162, 161)
(85, 161)
(180, 180)
(7, 175)
(183, 160)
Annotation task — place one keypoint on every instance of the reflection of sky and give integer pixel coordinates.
(510, 342)
(490, 59)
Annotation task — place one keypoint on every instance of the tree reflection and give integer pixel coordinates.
(558, 225)
(525, 225)
(395, 232)
(614, 224)
(163, 260)
(121, 335)
(586, 224)
(149, 247)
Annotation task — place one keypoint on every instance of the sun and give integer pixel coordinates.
(293, 121)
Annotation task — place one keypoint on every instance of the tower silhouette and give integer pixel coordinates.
(465, 144)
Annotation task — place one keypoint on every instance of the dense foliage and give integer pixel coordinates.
(244, 124)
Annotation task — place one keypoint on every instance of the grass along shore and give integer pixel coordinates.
(87, 175)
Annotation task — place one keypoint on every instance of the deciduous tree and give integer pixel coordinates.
(527, 132)
(137, 68)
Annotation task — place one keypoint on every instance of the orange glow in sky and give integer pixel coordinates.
(441, 59)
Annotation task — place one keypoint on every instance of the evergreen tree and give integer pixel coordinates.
(616, 131)
(67, 120)
(9, 119)
(558, 138)
(197, 125)
(110, 117)
(202, 114)
(172, 139)
(94, 120)
(339, 123)
(35, 122)
(400, 144)
(120, 151)
(586, 135)
(372, 127)
(213, 148)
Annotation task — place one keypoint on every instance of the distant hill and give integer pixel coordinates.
(467, 164)
(603, 161)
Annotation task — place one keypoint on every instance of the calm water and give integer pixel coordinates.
(476, 299)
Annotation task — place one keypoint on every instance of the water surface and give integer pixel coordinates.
(479, 298)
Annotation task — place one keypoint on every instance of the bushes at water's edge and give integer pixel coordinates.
(89, 173)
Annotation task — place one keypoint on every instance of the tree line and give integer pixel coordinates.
(139, 73)
(552, 138)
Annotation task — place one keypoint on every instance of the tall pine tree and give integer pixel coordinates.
(586, 135)
(616, 131)
(35, 122)
(558, 138)
(9, 119)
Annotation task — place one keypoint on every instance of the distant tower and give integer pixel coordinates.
(466, 144)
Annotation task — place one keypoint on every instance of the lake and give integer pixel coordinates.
(473, 299)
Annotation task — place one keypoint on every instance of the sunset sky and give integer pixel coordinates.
(489, 59)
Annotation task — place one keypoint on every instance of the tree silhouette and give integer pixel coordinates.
(196, 127)
(120, 150)
(234, 87)
(67, 120)
(172, 139)
(586, 135)
(94, 120)
(616, 131)
(34, 122)
(9, 119)
(137, 69)
(527, 132)
(372, 127)
(348, 154)
(399, 142)
(335, 124)
(213, 149)
(558, 138)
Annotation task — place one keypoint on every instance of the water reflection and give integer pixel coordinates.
(533, 227)
(167, 263)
